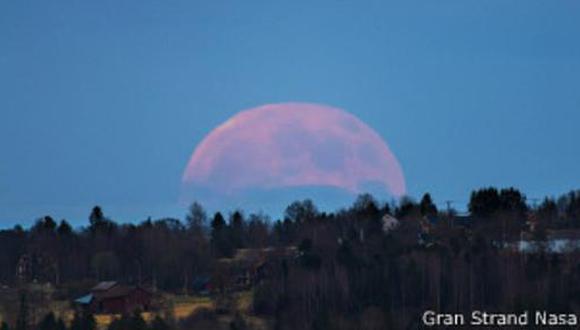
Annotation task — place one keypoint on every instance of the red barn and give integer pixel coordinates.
(113, 298)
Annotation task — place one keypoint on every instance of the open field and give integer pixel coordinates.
(179, 306)
(184, 306)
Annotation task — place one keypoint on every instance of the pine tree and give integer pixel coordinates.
(237, 229)
(96, 216)
(220, 240)
(197, 217)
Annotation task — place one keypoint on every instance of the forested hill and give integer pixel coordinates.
(171, 248)
(349, 265)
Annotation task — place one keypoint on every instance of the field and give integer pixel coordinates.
(183, 306)
(177, 306)
(180, 307)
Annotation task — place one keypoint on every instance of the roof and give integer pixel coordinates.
(119, 291)
(85, 300)
(116, 291)
(104, 286)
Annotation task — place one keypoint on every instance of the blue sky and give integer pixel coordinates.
(102, 102)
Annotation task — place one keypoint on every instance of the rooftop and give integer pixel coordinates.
(104, 286)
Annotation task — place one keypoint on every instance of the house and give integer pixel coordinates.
(114, 298)
(389, 223)
(249, 266)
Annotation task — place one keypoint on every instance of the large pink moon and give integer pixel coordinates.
(292, 145)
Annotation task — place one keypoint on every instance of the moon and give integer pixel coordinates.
(289, 145)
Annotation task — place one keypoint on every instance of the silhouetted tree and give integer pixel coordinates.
(258, 230)
(366, 206)
(301, 211)
(220, 238)
(407, 207)
(387, 209)
(237, 228)
(64, 228)
(484, 202)
(285, 231)
(427, 206)
(337, 270)
(571, 205)
(512, 200)
(96, 216)
(197, 217)
(45, 225)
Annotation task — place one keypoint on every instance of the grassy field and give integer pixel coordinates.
(179, 306)
(184, 306)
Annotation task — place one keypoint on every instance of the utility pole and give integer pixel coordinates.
(448, 203)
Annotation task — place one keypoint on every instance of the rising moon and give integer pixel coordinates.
(292, 145)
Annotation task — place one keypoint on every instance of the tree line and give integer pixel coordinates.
(348, 270)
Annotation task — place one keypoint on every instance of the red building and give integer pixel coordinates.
(113, 298)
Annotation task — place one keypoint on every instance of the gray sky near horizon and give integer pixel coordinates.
(104, 102)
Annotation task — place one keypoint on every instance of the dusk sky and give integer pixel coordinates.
(103, 102)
